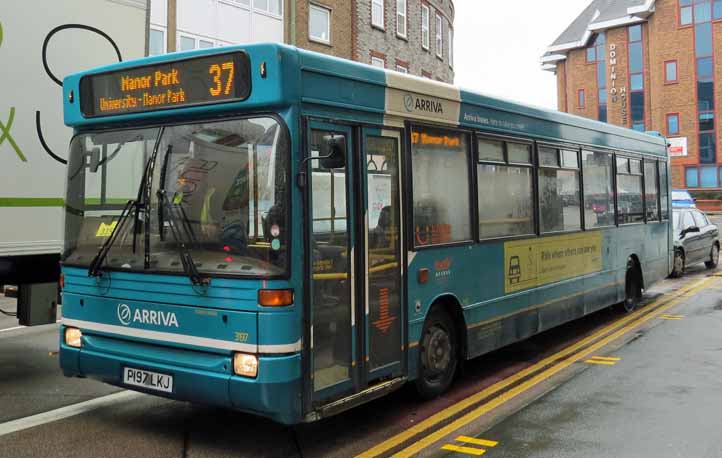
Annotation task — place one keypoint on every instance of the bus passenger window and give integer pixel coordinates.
(651, 190)
(629, 191)
(664, 190)
(506, 205)
(598, 189)
(442, 212)
(559, 192)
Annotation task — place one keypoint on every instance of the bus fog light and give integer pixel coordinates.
(245, 364)
(73, 337)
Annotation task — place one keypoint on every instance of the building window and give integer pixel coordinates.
(451, 47)
(559, 192)
(377, 13)
(581, 98)
(440, 183)
(717, 10)
(505, 189)
(670, 71)
(401, 69)
(187, 43)
(378, 62)
(685, 12)
(156, 42)
(401, 18)
(673, 124)
(636, 76)
(205, 44)
(319, 24)
(691, 178)
(439, 36)
(425, 32)
(595, 54)
(267, 6)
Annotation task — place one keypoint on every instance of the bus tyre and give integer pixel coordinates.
(713, 257)
(677, 264)
(438, 354)
(632, 288)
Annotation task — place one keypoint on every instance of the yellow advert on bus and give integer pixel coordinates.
(536, 262)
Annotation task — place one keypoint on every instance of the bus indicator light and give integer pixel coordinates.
(275, 297)
(423, 276)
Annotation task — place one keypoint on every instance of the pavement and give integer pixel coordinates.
(659, 398)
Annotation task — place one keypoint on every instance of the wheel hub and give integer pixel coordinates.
(437, 356)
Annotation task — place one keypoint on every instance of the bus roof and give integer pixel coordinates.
(344, 89)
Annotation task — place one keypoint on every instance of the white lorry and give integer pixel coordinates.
(40, 42)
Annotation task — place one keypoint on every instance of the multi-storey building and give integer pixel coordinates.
(409, 36)
(649, 65)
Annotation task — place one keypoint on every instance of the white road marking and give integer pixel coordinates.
(65, 412)
(21, 327)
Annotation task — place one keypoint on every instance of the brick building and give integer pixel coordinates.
(649, 65)
(410, 36)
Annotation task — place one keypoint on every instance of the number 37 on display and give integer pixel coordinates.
(219, 72)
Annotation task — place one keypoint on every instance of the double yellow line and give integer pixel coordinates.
(558, 362)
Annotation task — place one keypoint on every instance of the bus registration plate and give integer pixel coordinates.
(147, 379)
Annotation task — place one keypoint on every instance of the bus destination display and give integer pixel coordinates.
(188, 82)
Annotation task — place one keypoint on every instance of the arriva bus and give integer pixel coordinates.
(289, 234)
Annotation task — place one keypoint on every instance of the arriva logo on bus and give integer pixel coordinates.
(412, 103)
(126, 316)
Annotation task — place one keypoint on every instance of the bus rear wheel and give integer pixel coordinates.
(632, 288)
(438, 354)
(677, 264)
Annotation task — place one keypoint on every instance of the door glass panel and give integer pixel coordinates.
(383, 251)
(331, 263)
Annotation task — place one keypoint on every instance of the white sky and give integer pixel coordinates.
(498, 43)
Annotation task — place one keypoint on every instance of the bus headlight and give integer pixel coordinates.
(73, 337)
(245, 365)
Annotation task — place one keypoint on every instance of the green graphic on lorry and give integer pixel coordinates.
(5, 135)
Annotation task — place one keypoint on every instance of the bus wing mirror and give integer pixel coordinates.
(333, 152)
(94, 163)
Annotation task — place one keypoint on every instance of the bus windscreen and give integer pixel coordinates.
(188, 82)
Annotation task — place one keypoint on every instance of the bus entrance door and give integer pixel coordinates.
(383, 315)
(333, 367)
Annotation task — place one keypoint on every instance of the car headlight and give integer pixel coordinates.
(245, 365)
(73, 337)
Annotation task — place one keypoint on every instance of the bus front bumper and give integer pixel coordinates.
(198, 377)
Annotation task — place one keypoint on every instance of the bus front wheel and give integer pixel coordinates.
(438, 354)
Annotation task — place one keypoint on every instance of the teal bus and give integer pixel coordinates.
(289, 234)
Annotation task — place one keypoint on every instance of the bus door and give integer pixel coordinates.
(381, 216)
(333, 368)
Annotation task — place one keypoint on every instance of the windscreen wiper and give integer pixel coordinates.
(143, 200)
(94, 270)
(182, 232)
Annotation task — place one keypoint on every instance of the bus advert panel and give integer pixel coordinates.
(195, 81)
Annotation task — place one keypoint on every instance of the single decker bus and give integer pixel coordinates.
(289, 234)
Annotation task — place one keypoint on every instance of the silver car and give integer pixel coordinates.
(695, 240)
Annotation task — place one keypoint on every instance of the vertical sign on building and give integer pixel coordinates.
(618, 94)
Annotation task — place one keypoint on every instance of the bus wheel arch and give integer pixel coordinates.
(442, 347)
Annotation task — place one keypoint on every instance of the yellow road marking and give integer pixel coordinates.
(474, 440)
(672, 317)
(522, 387)
(461, 449)
(604, 363)
(606, 358)
(465, 403)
